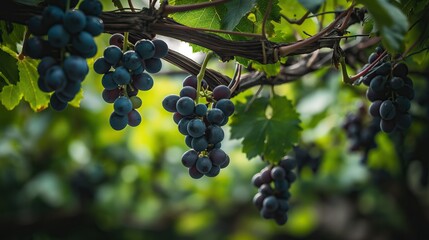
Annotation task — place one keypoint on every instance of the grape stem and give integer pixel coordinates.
(200, 75)
(125, 46)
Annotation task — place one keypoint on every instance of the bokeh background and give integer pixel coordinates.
(68, 175)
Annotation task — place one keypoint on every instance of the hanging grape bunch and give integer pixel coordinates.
(62, 38)
(122, 84)
(273, 183)
(201, 124)
(390, 91)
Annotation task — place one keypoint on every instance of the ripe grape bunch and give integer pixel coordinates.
(273, 183)
(122, 85)
(62, 38)
(202, 125)
(390, 91)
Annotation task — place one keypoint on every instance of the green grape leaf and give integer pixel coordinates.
(269, 69)
(8, 69)
(28, 85)
(11, 35)
(10, 96)
(269, 127)
(312, 5)
(390, 21)
(236, 10)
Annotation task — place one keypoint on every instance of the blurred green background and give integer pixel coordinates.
(68, 175)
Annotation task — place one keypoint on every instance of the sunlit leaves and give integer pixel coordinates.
(268, 127)
(236, 9)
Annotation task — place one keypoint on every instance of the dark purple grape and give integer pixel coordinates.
(288, 163)
(74, 21)
(400, 70)
(226, 106)
(226, 163)
(177, 117)
(131, 60)
(110, 96)
(153, 65)
(270, 203)
(278, 173)
(403, 121)
(112, 54)
(194, 173)
(189, 158)
(256, 180)
(387, 110)
(185, 106)
(196, 128)
(378, 83)
(136, 101)
(217, 156)
(94, 25)
(266, 175)
(45, 64)
(387, 125)
(108, 82)
(188, 141)
(52, 15)
(396, 83)
(215, 134)
(199, 144)
(143, 81)
(58, 36)
(36, 27)
(372, 57)
(84, 44)
(122, 106)
(215, 116)
(402, 104)
(56, 103)
(200, 109)
(71, 89)
(183, 126)
(41, 83)
(75, 68)
(121, 76)
(91, 7)
(134, 118)
(161, 48)
(374, 108)
(169, 103)
(55, 78)
(188, 92)
(214, 171)
(117, 39)
(36, 48)
(145, 49)
(118, 122)
(203, 165)
(101, 66)
(221, 92)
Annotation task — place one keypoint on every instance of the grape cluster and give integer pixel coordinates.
(62, 39)
(121, 85)
(273, 193)
(390, 91)
(202, 125)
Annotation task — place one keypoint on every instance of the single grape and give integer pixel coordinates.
(145, 49)
(122, 106)
(112, 54)
(94, 25)
(215, 134)
(196, 128)
(278, 173)
(396, 83)
(74, 21)
(188, 92)
(384, 69)
(221, 92)
(183, 126)
(56, 103)
(108, 82)
(215, 116)
(169, 103)
(36, 27)
(400, 70)
(57, 36)
(118, 122)
(266, 189)
(52, 15)
(374, 108)
(258, 199)
(136, 101)
(402, 104)
(75, 68)
(288, 163)
(214, 171)
(134, 118)
(153, 65)
(217, 156)
(189, 158)
(177, 117)
(143, 81)
(101, 66)
(41, 83)
(71, 89)
(266, 175)
(200, 109)
(185, 106)
(387, 110)
(226, 106)
(372, 57)
(55, 78)
(117, 39)
(203, 165)
(387, 125)
(199, 144)
(226, 163)
(131, 60)
(121, 76)
(161, 48)
(45, 64)
(84, 44)
(36, 47)
(110, 96)
(188, 141)
(91, 7)
(194, 173)
(270, 203)
(378, 83)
